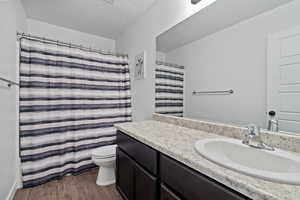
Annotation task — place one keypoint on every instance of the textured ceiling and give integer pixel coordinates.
(91, 16)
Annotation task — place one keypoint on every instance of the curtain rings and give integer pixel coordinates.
(21, 37)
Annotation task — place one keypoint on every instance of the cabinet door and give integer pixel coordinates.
(139, 152)
(167, 194)
(124, 175)
(192, 185)
(144, 184)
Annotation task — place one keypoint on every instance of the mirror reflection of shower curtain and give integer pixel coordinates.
(69, 101)
(169, 89)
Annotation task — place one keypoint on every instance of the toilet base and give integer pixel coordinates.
(106, 176)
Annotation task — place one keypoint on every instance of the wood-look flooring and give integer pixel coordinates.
(81, 187)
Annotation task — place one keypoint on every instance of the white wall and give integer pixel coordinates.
(142, 36)
(234, 58)
(68, 35)
(12, 18)
(160, 56)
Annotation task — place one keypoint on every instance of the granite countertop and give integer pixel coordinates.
(178, 143)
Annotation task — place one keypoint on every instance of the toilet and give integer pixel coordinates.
(105, 158)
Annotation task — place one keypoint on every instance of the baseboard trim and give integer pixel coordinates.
(13, 191)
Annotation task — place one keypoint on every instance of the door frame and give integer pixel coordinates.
(273, 55)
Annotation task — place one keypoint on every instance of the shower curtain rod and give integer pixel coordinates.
(21, 35)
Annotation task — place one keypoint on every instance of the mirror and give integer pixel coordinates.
(234, 62)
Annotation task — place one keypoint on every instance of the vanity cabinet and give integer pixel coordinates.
(136, 169)
(191, 184)
(143, 173)
(167, 194)
(124, 174)
(145, 185)
(142, 154)
(133, 182)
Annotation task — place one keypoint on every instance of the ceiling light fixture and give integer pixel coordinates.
(109, 1)
(195, 1)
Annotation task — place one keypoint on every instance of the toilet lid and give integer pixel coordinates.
(105, 151)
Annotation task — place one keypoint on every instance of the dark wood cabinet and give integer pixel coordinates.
(143, 173)
(167, 194)
(144, 184)
(124, 175)
(132, 181)
(191, 184)
(141, 153)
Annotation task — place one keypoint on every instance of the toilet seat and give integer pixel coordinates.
(105, 152)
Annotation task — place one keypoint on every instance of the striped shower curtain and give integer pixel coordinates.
(69, 101)
(169, 89)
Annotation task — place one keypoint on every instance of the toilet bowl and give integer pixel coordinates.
(105, 158)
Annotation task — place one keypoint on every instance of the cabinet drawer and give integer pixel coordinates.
(193, 185)
(167, 194)
(141, 153)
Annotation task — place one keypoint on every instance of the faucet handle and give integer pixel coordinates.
(254, 139)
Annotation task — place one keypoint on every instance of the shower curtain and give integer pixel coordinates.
(69, 101)
(169, 89)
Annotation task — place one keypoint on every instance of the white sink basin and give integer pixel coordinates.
(278, 166)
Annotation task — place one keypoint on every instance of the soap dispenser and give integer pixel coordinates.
(273, 124)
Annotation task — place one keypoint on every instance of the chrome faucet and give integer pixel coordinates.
(253, 138)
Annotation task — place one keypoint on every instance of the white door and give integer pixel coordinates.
(283, 73)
